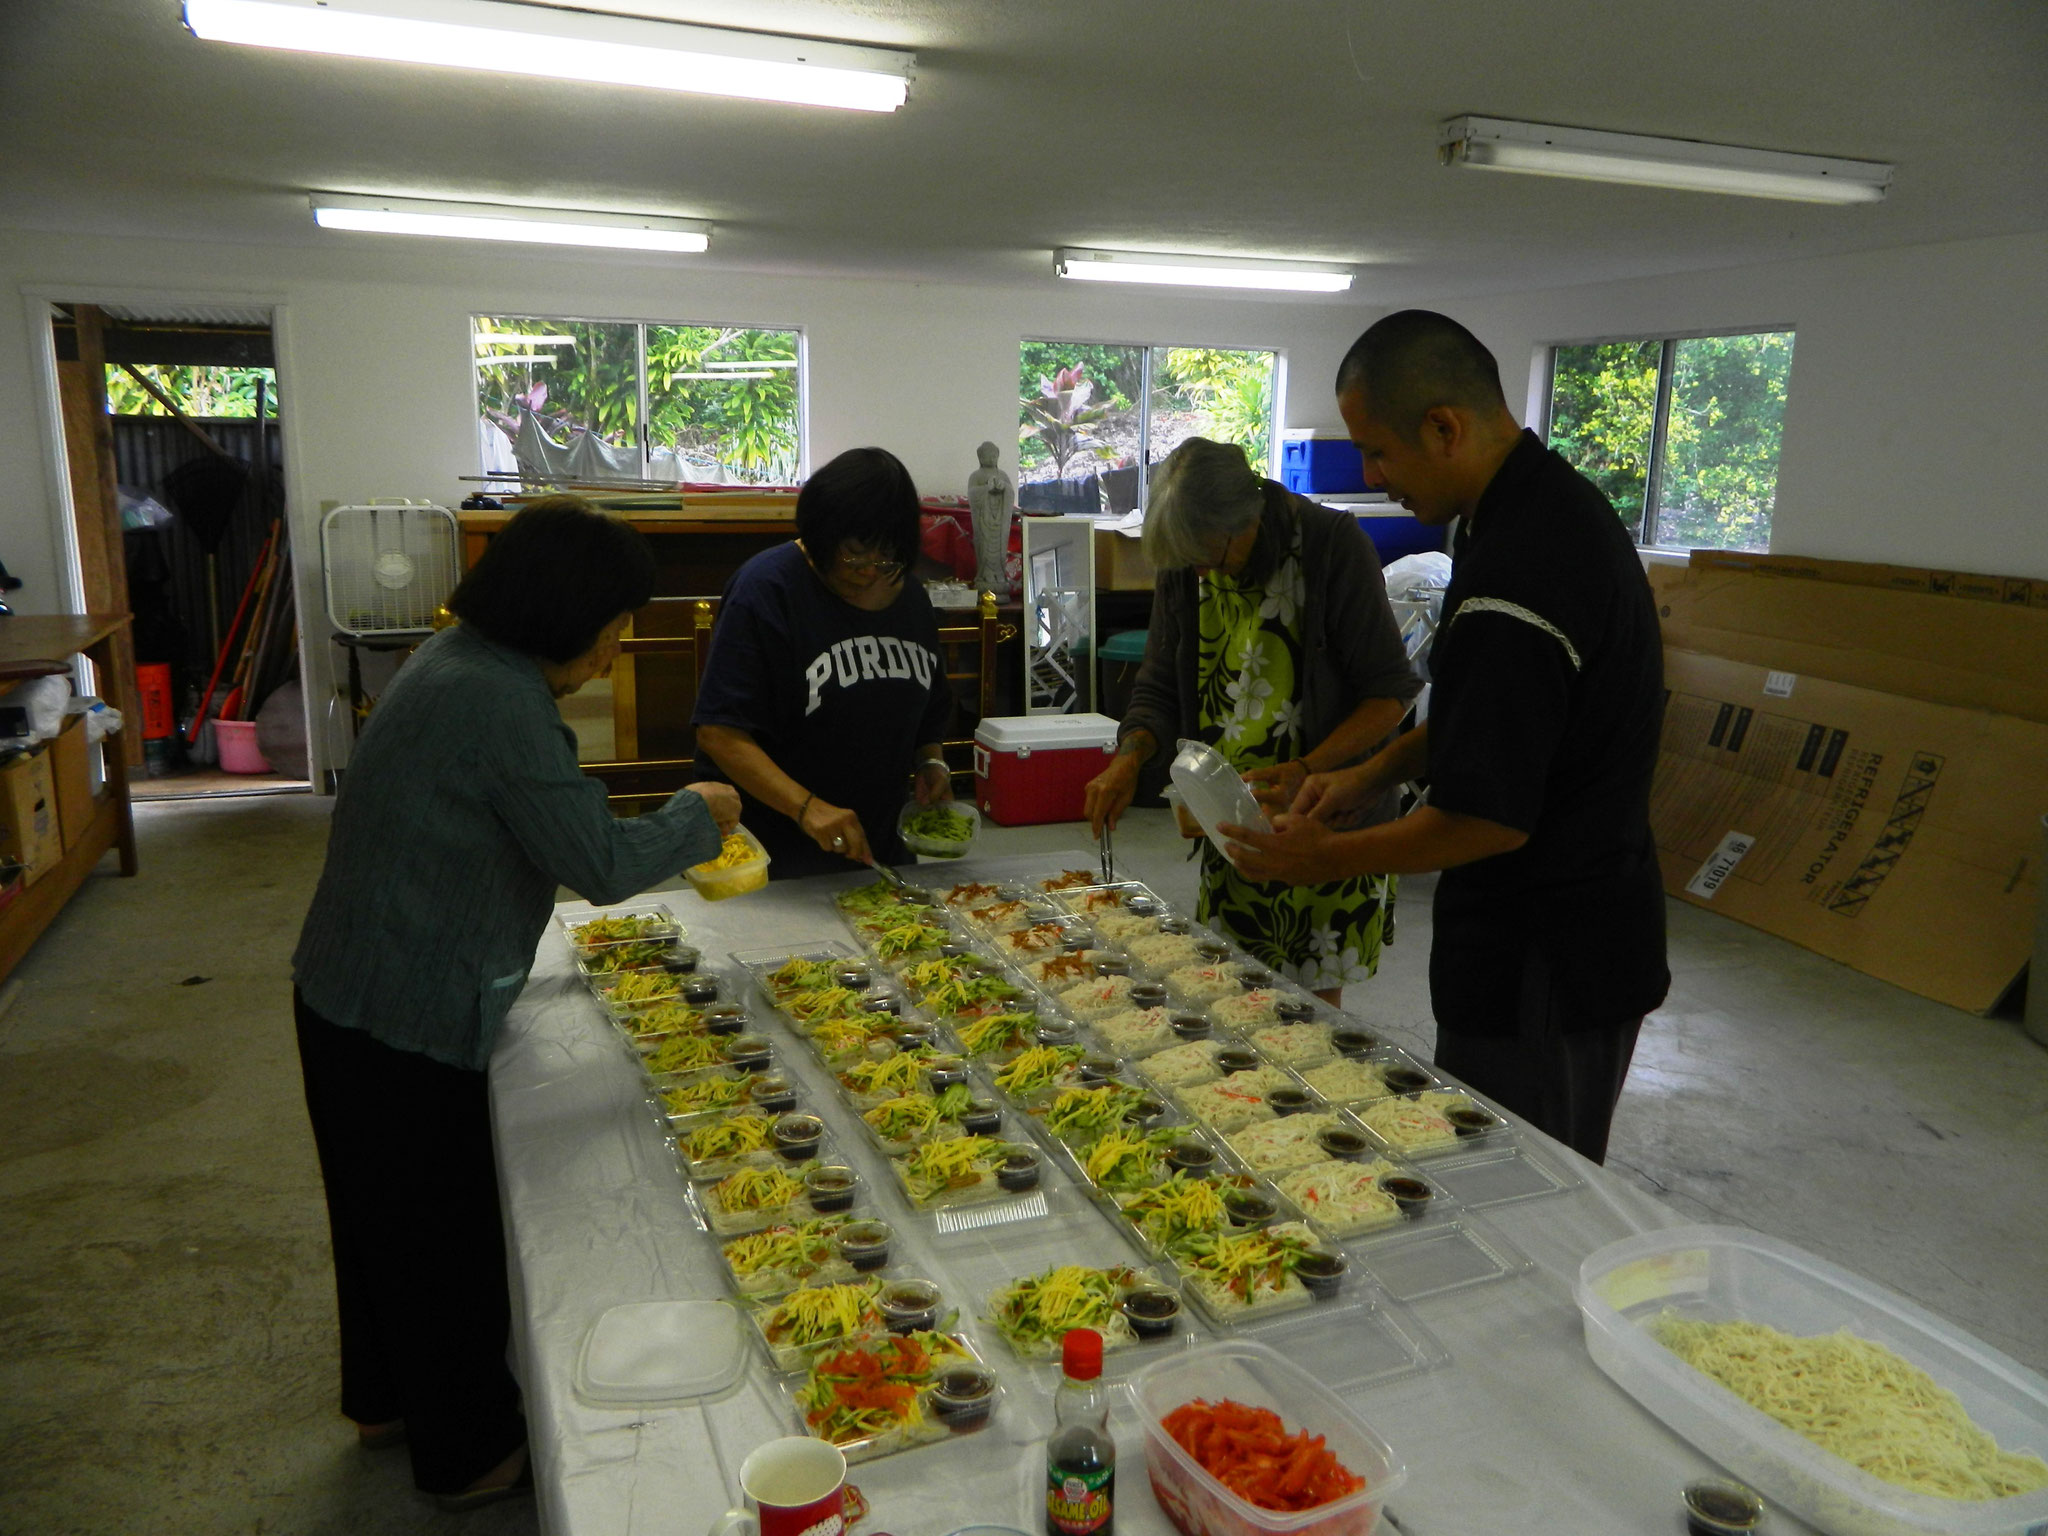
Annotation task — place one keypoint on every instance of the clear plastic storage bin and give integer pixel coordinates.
(715, 883)
(1258, 1377)
(1723, 1274)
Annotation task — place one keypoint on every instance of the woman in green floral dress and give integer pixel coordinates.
(1271, 639)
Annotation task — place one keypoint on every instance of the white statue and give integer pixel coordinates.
(988, 499)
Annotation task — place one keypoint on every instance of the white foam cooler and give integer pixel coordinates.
(1030, 769)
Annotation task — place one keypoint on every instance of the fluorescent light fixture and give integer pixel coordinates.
(511, 338)
(1200, 271)
(492, 221)
(749, 362)
(1586, 154)
(763, 374)
(550, 358)
(568, 45)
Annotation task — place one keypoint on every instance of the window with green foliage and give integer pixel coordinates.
(198, 391)
(1682, 433)
(595, 401)
(1094, 417)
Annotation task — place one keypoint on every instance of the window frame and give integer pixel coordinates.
(642, 431)
(1274, 414)
(1667, 360)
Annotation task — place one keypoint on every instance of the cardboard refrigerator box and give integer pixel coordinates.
(28, 814)
(1120, 563)
(1897, 836)
(72, 778)
(1806, 616)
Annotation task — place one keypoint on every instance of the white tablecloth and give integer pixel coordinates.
(1518, 1433)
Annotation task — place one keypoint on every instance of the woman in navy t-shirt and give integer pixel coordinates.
(826, 689)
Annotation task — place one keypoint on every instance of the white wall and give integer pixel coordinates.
(374, 352)
(1915, 420)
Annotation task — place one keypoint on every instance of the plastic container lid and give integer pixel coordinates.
(1046, 732)
(661, 1352)
(1213, 793)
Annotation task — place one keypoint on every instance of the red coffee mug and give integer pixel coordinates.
(793, 1487)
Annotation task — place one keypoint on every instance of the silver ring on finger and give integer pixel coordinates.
(838, 842)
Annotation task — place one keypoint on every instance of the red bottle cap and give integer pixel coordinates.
(1081, 1354)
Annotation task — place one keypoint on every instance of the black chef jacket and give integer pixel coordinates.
(1545, 712)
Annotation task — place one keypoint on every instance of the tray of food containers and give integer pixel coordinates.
(710, 1146)
(1850, 1407)
(691, 1098)
(818, 1250)
(707, 1042)
(794, 1326)
(754, 1197)
(623, 937)
(1135, 1308)
(1432, 1123)
(633, 992)
(885, 1392)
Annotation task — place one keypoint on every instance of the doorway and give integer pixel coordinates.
(182, 403)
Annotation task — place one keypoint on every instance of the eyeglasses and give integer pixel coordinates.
(869, 566)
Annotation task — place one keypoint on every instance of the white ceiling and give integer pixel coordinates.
(1253, 127)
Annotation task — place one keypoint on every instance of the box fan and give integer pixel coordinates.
(390, 566)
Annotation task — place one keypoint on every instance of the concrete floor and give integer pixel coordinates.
(166, 1314)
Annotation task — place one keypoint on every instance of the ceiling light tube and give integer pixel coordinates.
(1200, 271)
(1587, 154)
(560, 44)
(750, 362)
(722, 377)
(492, 221)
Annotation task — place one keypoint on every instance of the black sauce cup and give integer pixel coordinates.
(1190, 1026)
(1401, 1079)
(963, 1398)
(698, 989)
(774, 1093)
(855, 978)
(909, 1306)
(1344, 1144)
(1019, 1170)
(1190, 1157)
(1236, 1058)
(1153, 1313)
(983, 1118)
(830, 1188)
(865, 1244)
(797, 1137)
(1354, 1042)
(1322, 1271)
(1295, 1010)
(1148, 994)
(725, 1019)
(1290, 1101)
(1412, 1195)
(1249, 1207)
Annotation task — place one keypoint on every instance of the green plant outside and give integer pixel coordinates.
(199, 391)
(1230, 389)
(749, 425)
(1721, 439)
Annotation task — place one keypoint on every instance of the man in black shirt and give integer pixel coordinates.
(1545, 712)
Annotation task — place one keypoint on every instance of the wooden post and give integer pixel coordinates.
(96, 511)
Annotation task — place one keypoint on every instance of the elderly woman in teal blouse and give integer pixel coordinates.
(462, 811)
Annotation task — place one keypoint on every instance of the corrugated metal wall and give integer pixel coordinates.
(167, 570)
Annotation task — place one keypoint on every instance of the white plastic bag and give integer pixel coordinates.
(44, 699)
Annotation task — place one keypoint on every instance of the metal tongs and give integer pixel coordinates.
(1108, 856)
(889, 876)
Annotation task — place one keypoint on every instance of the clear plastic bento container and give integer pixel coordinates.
(934, 847)
(1258, 1377)
(1724, 1274)
(596, 932)
(717, 879)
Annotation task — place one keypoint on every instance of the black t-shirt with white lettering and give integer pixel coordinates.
(1546, 708)
(839, 697)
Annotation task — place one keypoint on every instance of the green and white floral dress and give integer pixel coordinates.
(1248, 670)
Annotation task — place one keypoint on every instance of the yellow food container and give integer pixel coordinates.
(741, 866)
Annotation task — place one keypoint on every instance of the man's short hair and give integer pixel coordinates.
(1415, 360)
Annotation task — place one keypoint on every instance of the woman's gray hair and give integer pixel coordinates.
(1203, 495)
